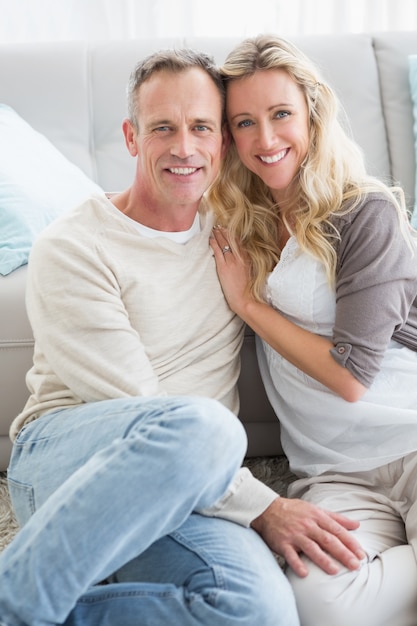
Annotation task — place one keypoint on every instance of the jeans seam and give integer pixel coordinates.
(216, 569)
(108, 595)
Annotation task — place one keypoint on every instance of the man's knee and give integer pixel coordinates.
(211, 427)
(218, 420)
(193, 417)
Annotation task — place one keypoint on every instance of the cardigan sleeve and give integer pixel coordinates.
(376, 286)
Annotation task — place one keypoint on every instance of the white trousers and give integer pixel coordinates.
(383, 592)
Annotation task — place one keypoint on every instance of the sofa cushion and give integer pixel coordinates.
(413, 87)
(392, 51)
(37, 183)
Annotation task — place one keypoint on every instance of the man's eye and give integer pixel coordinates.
(201, 127)
(162, 129)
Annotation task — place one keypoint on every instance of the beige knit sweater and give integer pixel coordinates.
(117, 314)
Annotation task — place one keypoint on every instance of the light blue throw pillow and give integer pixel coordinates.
(37, 184)
(412, 64)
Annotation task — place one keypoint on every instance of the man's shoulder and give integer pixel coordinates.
(78, 222)
(70, 233)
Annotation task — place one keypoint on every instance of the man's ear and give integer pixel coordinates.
(227, 139)
(129, 133)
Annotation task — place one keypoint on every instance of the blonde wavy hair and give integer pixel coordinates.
(331, 180)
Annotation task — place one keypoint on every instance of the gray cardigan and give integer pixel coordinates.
(376, 287)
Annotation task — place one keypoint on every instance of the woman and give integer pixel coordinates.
(319, 259)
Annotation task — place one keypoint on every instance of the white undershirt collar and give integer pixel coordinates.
(179, 237)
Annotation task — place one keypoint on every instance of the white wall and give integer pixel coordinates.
(49, 20)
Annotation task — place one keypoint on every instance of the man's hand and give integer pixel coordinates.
(291, 527)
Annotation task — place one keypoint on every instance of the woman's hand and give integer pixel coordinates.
(233, 269)
(304, 349)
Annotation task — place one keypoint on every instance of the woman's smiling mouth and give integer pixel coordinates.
(275, 157)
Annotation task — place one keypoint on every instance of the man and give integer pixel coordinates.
(125, 468)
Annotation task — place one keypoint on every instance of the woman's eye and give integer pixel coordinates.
(281, 114)
(244, 123)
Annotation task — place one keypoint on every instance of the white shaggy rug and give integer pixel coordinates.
(271, 470)
(8, 524)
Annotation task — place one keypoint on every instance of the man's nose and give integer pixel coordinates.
(183, 144)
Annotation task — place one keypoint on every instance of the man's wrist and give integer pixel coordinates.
(259, 522)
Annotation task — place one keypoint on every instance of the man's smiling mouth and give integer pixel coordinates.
(183, 171)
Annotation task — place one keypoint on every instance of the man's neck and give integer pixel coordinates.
(176, 219)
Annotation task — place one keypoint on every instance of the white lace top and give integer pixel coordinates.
(321, 431)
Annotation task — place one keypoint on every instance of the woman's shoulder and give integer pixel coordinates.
(374, 228)
(374, 219)
(372, 206)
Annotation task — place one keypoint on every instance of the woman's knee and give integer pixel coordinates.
(327, 599)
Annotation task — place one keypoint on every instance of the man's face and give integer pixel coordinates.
(179, 141)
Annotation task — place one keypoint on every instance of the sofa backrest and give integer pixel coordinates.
(392, 51)
(74, 93)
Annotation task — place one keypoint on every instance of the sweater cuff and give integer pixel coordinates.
(246, 498)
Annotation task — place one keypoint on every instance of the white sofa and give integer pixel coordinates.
(74, 93)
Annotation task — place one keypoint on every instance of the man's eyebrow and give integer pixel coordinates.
(167, 122)
(204, 120)
(159, 122)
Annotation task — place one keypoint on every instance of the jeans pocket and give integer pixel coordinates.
(23, 500)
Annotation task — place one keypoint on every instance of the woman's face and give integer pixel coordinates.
(268, 118)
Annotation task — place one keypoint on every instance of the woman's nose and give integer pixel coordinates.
(266, 135)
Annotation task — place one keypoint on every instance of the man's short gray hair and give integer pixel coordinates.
(171, 60)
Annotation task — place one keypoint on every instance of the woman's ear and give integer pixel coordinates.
(129, 133)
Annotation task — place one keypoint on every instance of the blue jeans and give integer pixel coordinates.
(109, 491)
